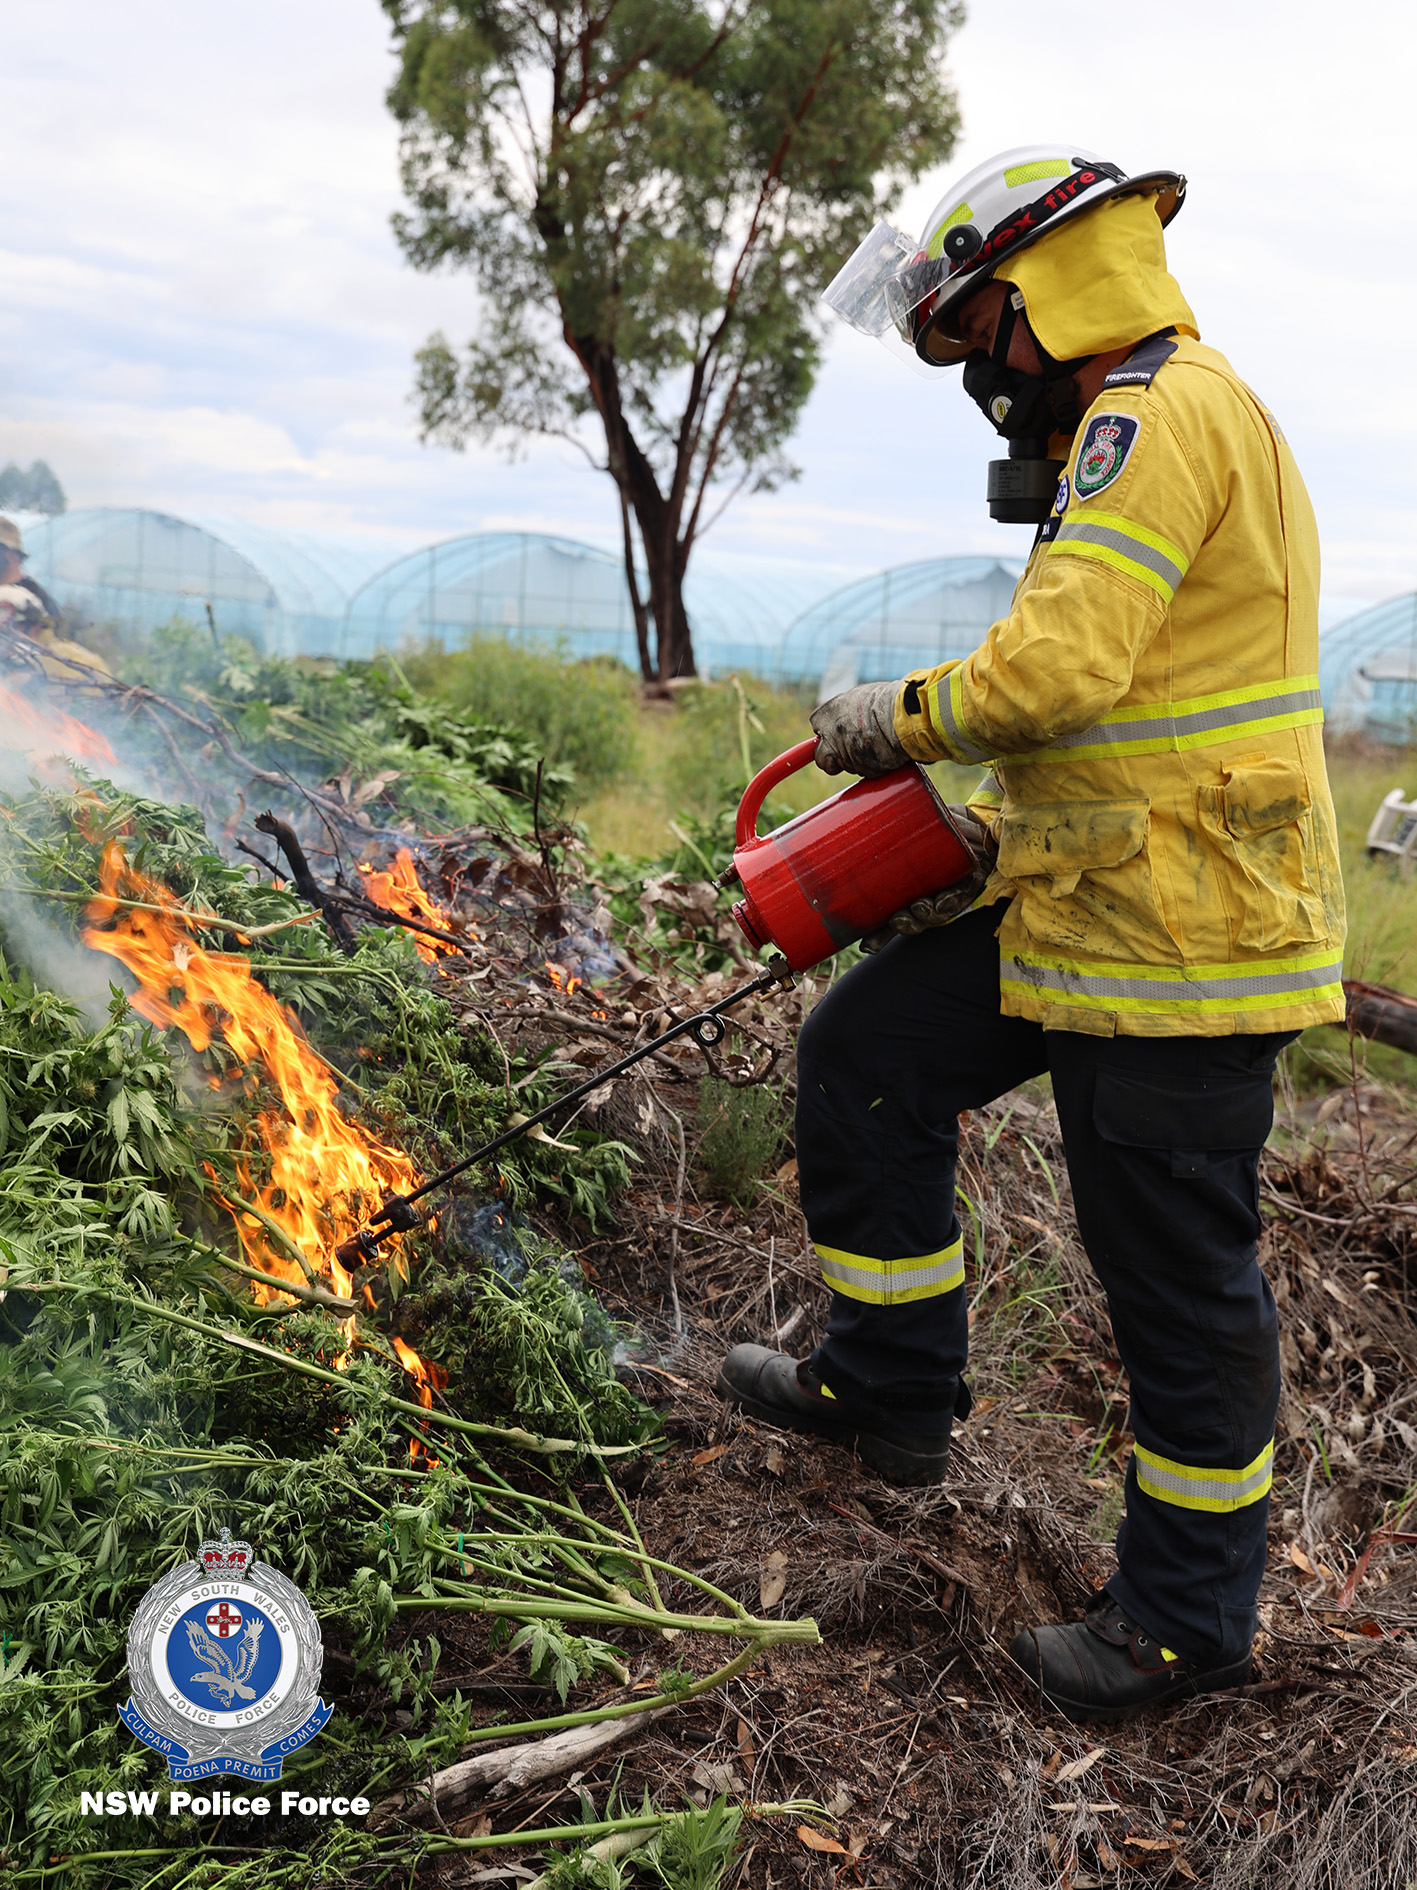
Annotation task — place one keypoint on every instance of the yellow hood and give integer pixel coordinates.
(1100, 281)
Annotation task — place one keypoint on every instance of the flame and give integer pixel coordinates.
(41, 731)
(398, 890)
(560, 980)
(426, 1373)
(418, 1453)
(326, 1173)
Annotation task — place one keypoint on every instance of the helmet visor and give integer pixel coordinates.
(865, 291)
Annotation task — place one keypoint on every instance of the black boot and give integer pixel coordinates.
(775, 1388)
(1106, 1668)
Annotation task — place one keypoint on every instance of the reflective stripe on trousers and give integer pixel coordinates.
(1196, 1486)
(893, 1282)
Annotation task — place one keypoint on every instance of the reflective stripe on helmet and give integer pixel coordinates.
(1157, 728)
(1127, 547)
(1035, 173)
(1197, 1486)
(1266, 984)
(960, 214)
(893, 1282)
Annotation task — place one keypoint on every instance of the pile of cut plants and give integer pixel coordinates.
(582, 1626)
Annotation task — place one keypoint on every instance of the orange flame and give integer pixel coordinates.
(426, 1373)
(399, 890)
(326, 1173)
(42, 731)
(568, 985)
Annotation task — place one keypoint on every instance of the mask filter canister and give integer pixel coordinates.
(1022, 488)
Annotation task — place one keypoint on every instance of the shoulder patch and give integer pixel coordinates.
(1143, 364)
(1106, 447)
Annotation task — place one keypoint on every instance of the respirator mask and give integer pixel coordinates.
(1026, 410)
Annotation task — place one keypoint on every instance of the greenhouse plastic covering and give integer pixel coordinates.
(909, 617)
(1368, 670)
(306, 593)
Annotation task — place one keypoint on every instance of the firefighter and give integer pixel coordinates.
(1157, 908)
(26, 606)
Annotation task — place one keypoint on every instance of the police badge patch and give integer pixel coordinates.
(224, 1658)
(1106, 447)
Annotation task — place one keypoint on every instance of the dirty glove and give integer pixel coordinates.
(942, 907)
(856, 731)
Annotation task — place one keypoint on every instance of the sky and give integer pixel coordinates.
(204, 309)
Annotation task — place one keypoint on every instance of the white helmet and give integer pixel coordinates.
(998, 209)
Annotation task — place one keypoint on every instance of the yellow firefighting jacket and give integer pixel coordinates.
(1150, 711)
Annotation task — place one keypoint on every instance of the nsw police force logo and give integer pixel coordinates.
(224, 1658)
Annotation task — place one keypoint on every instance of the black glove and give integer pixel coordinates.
(856, 731)
(942, 907)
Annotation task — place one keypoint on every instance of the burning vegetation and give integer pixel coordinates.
(490, 1455)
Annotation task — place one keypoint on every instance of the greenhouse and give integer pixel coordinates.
(287, 592)
(522, 585)
(908, 617)
(313, 594)
(536, 588)
(1368, 670)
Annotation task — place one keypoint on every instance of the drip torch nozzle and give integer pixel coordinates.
(398, 1215)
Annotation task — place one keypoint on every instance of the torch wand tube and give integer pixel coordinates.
(397, 1215)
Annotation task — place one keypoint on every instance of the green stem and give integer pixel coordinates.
(553, 1835)
(524, 1440)
(739, 1664)
(768, 1633)
(312, 1295)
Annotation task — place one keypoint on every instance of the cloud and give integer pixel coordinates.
(206, 310)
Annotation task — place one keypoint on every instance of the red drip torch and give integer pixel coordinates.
(838, 872)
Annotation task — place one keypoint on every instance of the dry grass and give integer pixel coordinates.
(909, 1723)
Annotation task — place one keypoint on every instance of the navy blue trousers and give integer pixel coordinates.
(1162, 1136)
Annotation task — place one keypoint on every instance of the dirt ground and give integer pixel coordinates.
(908, 1724)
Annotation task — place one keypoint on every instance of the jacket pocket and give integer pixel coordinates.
(1262, 820)
(1084, 878)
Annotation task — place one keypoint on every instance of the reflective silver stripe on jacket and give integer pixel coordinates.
(1132, 547)
(1189, 985)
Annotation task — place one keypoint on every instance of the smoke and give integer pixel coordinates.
(57, 962)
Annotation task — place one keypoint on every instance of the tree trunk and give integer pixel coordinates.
(656, 517)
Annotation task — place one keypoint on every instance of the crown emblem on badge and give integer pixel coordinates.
(1108, 433)
(225, 1557)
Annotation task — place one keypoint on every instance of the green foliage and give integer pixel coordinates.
(563, 1660)
(650, 236)
(695, 1849)
(580, 715)
(743, 1128)
(532, 1341)
(359, 721)
(126, 1439)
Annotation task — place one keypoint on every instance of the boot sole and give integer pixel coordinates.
(897, 1463)
(1082, 1712)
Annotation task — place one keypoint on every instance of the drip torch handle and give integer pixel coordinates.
(763, 783)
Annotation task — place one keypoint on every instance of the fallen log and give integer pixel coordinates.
(1384, 1015)
(505, 1771)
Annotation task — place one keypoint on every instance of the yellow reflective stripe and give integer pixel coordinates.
(893, 1282)
(1263, 984)
(946, 712)
(1199, 1486)
(1133, 549)
(1034, 173)
(1154, 728)
(936, 245)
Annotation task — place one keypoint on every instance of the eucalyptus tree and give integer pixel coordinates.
(649, 196)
